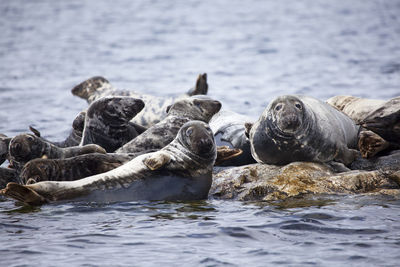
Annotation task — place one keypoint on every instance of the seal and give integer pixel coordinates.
(180, 171)
(69, 169)
(154, 111)
(7, 175)
(302, 128)
(229, 130)
(25, 147)
(356, 108)
(161, 134)
(107, 122)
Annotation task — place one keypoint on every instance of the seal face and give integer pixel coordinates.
(107, 122)
(180, 171)
(161, 134)
(300, 128)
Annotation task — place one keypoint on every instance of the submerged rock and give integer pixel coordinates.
(270, 182)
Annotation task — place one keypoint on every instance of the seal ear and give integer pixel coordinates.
(156, 161)
(34, 131)
(247, 128)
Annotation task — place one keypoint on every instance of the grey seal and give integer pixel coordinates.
(7, 175)
(229, 130)
(4, 143)
(161, 134)
(180, 171)
(302, 128)
(25, 147)
(154, 111)
(107, 122)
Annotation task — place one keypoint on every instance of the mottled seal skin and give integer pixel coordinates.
(385, 120)
(229, 130)
(180, 171)
(7, 175)
(107, 122)
(25, 147)
(355, 107)
(73, 168)
(301, 128)
(155, 109)
(4, 143)
(156, 137)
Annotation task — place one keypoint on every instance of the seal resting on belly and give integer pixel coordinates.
(301, 128)
(180, 171)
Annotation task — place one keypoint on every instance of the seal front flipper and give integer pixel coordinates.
(23, 193)
(370, 144)
(225, 153)
(157, 160)
(247, 128)
(346, 155)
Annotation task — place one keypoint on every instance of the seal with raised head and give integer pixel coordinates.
(229, 130)
(302, 128)
(25, 147)
(180, 171)
(161, 134)
(154, 111)
(107, 122)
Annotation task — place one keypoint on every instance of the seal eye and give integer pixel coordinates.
(278, 107)
(298, 106)
(189, 131)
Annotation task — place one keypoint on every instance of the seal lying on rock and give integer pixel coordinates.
(107, 122)
(355, 107)
(154, 111)
(25, 147)
(301, 128)
(270, 182)
(228, 128)
(156, 137)
(180, 171)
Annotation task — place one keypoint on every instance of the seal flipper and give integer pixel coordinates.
(225, 153)
(34, 131)
(247, 128)
(139, 128)
(23, 193)
(156, 161)
(201, 87)
(346, 155)
(370, 144)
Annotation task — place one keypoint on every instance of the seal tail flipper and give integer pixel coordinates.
(224, 153)
(370, 144)
(201, 87)
(23, 193)
(34, 131)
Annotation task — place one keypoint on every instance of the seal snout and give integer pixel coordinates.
(289, 123)
(205, 145)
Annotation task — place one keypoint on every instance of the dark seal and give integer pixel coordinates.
(301, 128)
(180, 171)
(107, 122)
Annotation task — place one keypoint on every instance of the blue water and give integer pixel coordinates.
(252, 52)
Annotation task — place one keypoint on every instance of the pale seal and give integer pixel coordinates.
(107, 122)
(229, 130)
(180, 171)
(156, 137)
(301, 128)
(155, 109)
(25, 147)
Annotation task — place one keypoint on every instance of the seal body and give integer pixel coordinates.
(7, 175)
(355, 107)
(301, 128)
(4, 143)
(73, 168)
(180, 171)
(107, 122)
(229, 130)
(155, 109)
(25, 147)
(161, 134)
(75, 136)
